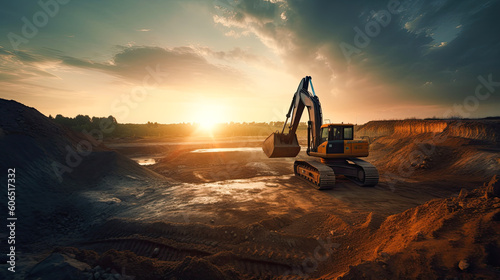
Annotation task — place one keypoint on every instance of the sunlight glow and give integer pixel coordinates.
(207, 124)
(209, 114)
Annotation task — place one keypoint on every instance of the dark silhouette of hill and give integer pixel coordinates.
(52, 163)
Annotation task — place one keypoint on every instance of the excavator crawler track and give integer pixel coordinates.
(370, 173)
(319, 175)
(357, 170)
(322, 175)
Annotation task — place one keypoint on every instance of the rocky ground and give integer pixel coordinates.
(234, 214)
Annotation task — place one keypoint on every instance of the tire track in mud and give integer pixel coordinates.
(267, 253)
(146, 248)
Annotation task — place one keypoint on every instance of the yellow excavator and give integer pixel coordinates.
(334, 144)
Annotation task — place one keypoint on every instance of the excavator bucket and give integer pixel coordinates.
(281, 145)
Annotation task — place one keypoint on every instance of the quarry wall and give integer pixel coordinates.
(483, 129)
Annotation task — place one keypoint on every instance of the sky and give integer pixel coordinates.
(242, 60)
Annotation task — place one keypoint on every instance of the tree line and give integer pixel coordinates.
(154, 129)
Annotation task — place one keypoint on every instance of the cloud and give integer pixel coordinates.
(419, 44)
(181, 68)
(178, 67)
(237, 55)
(21, 65)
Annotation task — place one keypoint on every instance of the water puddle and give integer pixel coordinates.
(144, 161)
(239, 190)
(221, 150)
(174, 143)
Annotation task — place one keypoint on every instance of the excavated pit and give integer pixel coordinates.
(236, 214)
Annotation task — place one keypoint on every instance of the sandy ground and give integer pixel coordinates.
(226, 184)
(225, 202)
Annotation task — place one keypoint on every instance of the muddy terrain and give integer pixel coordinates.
(203, 208)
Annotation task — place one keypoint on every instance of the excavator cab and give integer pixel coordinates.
(336, 132)
(337, 141)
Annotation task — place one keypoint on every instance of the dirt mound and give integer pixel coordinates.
(196, 268)
(51, 164)
(443, 238)
(436, 156)
(115, 264)
(435, 148)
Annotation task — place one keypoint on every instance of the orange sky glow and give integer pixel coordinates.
(241, 61)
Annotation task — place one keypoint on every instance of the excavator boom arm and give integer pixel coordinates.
(286, 145)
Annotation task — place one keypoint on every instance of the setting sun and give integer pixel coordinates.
(209, 114)
(207, 124)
